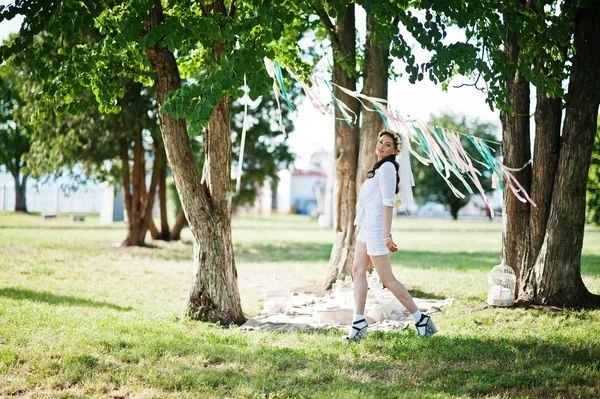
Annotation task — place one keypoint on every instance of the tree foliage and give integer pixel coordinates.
(62, 60)
(14, 143)
(15, 130)
(87, 146)
(593, 185)
(544, 28)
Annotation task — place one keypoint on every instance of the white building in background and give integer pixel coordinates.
(113, 205)
(50, 198)
(301, 191)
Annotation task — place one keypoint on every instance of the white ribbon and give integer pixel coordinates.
(407, 181)
(246, 99)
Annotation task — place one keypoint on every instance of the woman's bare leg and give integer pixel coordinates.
(383, 266)
(359, 273)
(359, 326)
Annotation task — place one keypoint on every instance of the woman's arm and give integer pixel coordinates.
(388, 214)
(387, 186)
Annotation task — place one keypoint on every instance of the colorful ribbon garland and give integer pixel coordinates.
(441, 146)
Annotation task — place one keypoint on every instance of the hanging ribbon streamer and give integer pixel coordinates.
(272, 74)
(344, 109)
(246, 99)
(407, 181)
(280, 79)
(385, 121)
(312, 96)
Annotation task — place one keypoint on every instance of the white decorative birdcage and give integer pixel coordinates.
(501, 286)
(276, 295)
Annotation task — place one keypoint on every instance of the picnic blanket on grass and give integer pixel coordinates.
(306, 312)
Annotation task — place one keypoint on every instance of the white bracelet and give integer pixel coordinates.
(389, 236)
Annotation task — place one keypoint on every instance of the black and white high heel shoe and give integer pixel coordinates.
(358, 330)
(425, 326)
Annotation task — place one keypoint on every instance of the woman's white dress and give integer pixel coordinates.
(375, 193)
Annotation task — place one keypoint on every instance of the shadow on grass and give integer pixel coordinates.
(377, 367)
(48, 227)
(305, 252)
(282, 252)
(53, 299)
(590, 264)
(288, 251)
(425, 295)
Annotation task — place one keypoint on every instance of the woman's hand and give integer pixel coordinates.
(389, 243)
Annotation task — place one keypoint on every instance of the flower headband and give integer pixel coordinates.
(396, 137)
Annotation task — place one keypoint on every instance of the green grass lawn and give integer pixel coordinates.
(81, 317)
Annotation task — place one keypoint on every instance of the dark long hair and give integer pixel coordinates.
(391, 158)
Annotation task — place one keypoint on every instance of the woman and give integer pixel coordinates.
(374, 211)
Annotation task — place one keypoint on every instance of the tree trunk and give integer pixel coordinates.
(215, 232)
(20, 190)
(376, 67)
(548, 116)
(150, 196)
(180, 223)
(556, 276)
(125, 179)
(162, 197)
(163, 234)
(214, 295)
(345, 151)
(454, 212)
(134, 195)
(154, 233)
(516, 152)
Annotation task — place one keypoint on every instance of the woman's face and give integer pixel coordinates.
(385, 147)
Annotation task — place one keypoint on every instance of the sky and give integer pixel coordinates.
(314, 131)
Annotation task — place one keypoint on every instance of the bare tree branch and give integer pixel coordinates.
(329, 26)
(233, 9)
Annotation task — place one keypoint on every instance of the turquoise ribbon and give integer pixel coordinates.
(437, 164)
(337, 102)
(447, 151)
(488, 158)
(385, 120)
(280, 80)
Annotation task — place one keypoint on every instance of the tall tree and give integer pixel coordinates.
(354, 139)
(510, 46)
(116, 148)
(554, 276)
(342, 35)
(14, 132)
(516, 149)
(375, 73)
(164, 233)
(230, 39)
